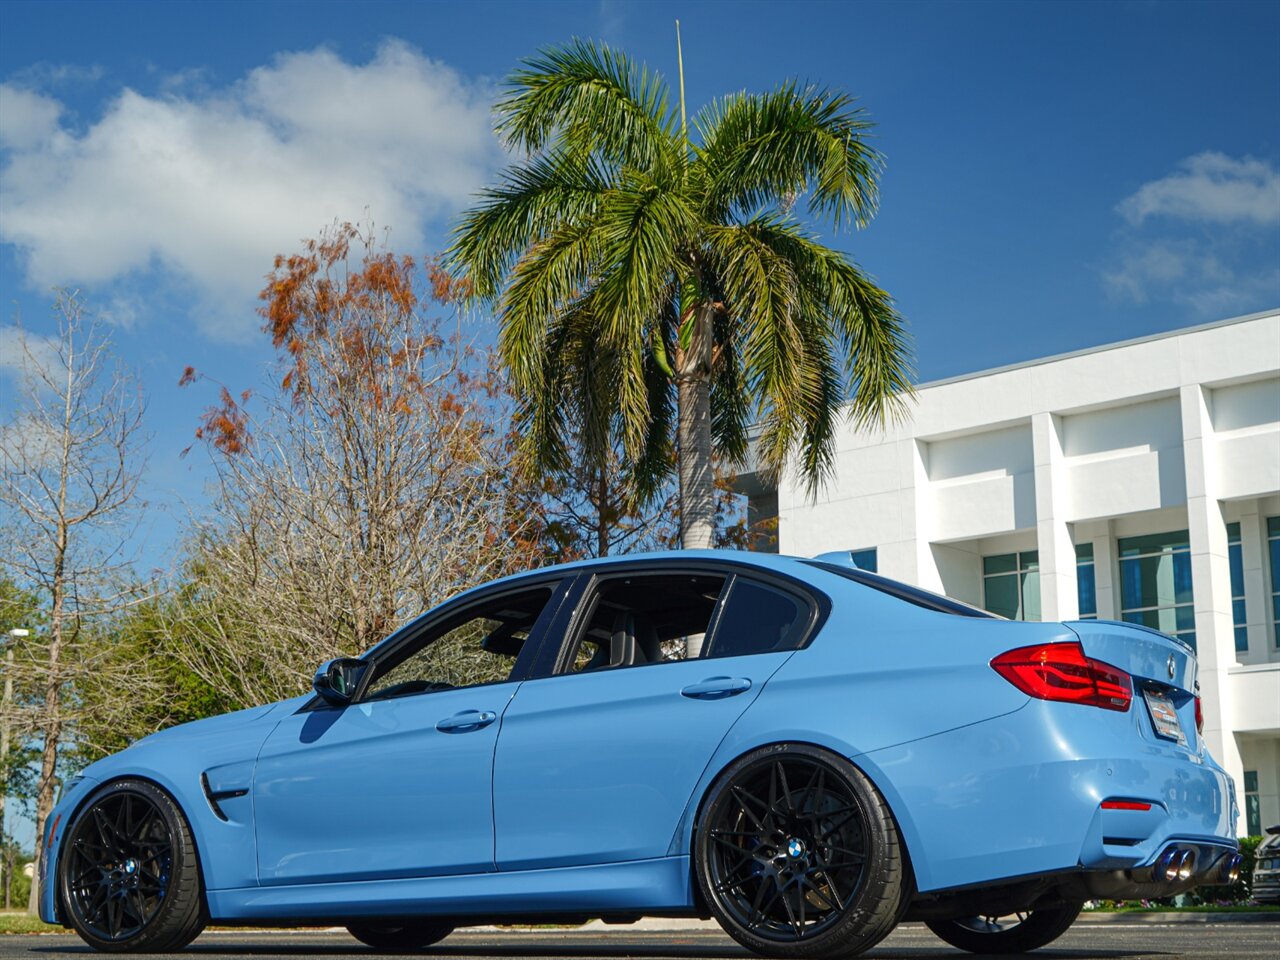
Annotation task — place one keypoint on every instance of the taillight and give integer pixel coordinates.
(1061, 671)
(1199, 717)
(1125, 805)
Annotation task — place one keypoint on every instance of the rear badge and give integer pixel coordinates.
(1172, 667)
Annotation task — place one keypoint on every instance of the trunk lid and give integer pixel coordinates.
(1145, 654)
(1164, 677)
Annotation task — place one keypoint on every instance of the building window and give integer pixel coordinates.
(1273, 548)
(1235, 555)
(1155, 583)
(864, 559)
(1252, 805)
(1011, 585)
(1086, 582)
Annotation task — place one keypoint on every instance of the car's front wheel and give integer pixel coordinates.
(405, 935)
(1016, 933)
(798, 855)
(128, 875)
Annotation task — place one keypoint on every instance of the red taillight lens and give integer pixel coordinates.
(1125, 805)
(1061, 671)
(1199, 717)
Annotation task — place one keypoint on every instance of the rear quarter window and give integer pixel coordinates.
(759, 619)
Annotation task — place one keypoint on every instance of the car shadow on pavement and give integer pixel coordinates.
(631, 950)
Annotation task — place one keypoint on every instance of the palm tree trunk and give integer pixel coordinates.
(697, 478)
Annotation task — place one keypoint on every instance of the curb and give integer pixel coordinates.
(1159, 916)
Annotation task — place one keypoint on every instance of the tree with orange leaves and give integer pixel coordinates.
(367, 481)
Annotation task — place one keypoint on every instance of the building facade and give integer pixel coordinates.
(1138, 481)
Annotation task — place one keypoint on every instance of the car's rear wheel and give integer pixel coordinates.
(128, 875)
(406, 935)
(1015, 933)
(797, 855)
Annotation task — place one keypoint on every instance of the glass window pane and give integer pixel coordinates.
(1233, 533)
(1084, 551)
(1029, 559)
(1185, 618)
(1273, 526)
(757, 619)
(1235, 557)
(1182, 577)
(1086, 590)
(1188, 638)
(1275, 564)
(1031, 596)
(1004, 563)
(1001, 596)
(864, 559)
(1238, 616)
(1242, 639)
(1154, 543)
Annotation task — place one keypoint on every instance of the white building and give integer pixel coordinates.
(1136, 481)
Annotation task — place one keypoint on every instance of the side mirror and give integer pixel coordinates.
(336, 680)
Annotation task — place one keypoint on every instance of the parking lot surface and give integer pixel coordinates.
(1127, 941)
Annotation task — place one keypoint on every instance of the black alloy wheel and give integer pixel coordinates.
(402, 935)
(128, 875)
(798, 855)
(1011, 933)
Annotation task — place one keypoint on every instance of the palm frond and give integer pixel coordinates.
(531, 200)
(588, 98)
(545, 282)
(763, 151)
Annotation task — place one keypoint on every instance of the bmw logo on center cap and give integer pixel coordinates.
(795, 849)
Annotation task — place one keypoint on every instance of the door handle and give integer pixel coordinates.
(716, 688)
(466, 721)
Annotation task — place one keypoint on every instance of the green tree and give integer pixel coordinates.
(663, 280)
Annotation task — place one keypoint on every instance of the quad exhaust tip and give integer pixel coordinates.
(1176, 864)
(1231, 867)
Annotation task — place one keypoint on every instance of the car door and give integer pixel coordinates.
(399, 782)
(596, 762)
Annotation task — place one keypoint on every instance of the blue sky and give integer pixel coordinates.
(1059, 175)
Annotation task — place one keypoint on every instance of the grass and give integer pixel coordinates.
(1202, 908)
(18, 921)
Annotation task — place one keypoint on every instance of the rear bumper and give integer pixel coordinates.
(1020, 796)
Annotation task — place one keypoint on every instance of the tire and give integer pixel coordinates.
(129, 874)
(798, 855)
(988, 935)
(407, 935)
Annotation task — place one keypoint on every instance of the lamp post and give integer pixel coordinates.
(15, 634)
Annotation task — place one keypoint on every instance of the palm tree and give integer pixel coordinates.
(629, 261)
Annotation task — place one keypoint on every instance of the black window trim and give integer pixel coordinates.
(916, 596)
(573, 616)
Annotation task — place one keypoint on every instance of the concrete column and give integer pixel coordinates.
(1257, 591)
(1106, 570)
(927, 574)
(1059, 598)
(1211, 580)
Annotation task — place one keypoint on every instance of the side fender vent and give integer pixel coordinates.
(213, 796)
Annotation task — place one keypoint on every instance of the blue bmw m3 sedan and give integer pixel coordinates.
(807, 752)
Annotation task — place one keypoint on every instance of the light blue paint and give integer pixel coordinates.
(582, 796)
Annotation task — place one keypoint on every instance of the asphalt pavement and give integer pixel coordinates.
(1122, 941)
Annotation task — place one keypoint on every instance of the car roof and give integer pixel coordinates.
(782, 563)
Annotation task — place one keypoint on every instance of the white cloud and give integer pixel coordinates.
(208, 186)
(1213, 187)
(1188, 271)
(27, 119)
(19, 349)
